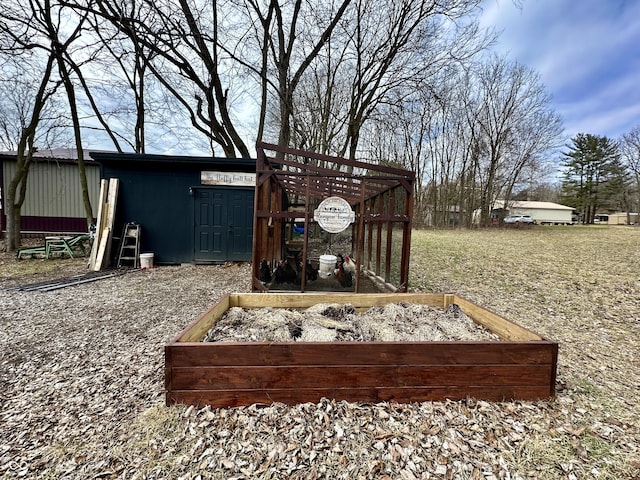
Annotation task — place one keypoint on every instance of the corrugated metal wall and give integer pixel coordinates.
(53, 190)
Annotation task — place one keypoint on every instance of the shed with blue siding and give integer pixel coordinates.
(190, 209)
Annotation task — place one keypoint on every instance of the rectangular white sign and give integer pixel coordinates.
(234, 179)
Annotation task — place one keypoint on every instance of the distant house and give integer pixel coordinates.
(53, 202)
(452, 215)
(544, 213)
(623, 218)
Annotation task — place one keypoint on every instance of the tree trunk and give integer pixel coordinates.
(13, 218)
(16, 194)
(73, 108)
(82, 172)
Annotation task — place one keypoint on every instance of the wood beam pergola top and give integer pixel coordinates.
(297, 174)
(308, 167)
(322, 187)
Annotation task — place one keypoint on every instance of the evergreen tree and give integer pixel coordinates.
(594, 176)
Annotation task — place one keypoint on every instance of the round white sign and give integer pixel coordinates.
(334, 214)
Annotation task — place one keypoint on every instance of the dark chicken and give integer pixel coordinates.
(285, 273)
(312, 272)
(265, 272)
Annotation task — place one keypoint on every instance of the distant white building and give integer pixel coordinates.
(623, 218)
(544, 213)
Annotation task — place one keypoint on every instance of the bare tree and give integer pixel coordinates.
(21, 38)
(53, 19)
(37, 26)
(119, 87)
(322, 101)
(289, 36)
(513, 124)
(21, 131)
(447, 142)
(398, 46)
(178, 42)
(368, 79)
(630, 148)
(471, 136)
(131, 58)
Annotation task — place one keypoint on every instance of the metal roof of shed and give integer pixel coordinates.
(533, 205)
(58, 155)
(146, 158)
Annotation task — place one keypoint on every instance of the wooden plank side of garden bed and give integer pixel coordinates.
(196, 330)
(358, 300)
(510, 370)
(359, 353)
(235, 398)
(357, 376)
(499, 325)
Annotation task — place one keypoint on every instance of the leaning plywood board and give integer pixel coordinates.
(114, 185)
(102, 248)
(104, 231)
(104, 185)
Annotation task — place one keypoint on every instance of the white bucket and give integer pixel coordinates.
(146, 260)
(327, 265)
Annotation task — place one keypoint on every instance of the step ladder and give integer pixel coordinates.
(129, 246)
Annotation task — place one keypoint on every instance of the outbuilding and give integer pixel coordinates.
(53, 201)
(332, 195)
(543, 213)
(623, 218)
(190, 209)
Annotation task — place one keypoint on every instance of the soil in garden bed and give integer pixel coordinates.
(399, 322)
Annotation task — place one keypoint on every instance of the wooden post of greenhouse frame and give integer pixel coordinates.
(391, 206)
(260, 229)
(406, 239)
(369, 249)
(380, 201)
(360, 236)
(305, 242)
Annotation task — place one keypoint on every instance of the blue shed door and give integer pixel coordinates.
(223, 224)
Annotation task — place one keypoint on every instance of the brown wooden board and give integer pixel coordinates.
(522, 366)
(356, 376)
(203, 354)
(235, 398)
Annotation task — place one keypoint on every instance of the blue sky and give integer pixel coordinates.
(587, 53)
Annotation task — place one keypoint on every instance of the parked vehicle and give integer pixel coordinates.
(519, 219)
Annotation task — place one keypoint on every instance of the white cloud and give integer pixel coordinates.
(586, 53)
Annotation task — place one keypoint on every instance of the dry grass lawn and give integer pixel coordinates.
(577, 285)
(81, 374)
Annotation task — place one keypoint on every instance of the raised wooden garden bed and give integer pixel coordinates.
(522, 365)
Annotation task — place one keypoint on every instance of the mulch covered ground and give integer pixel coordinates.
(81, 375)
